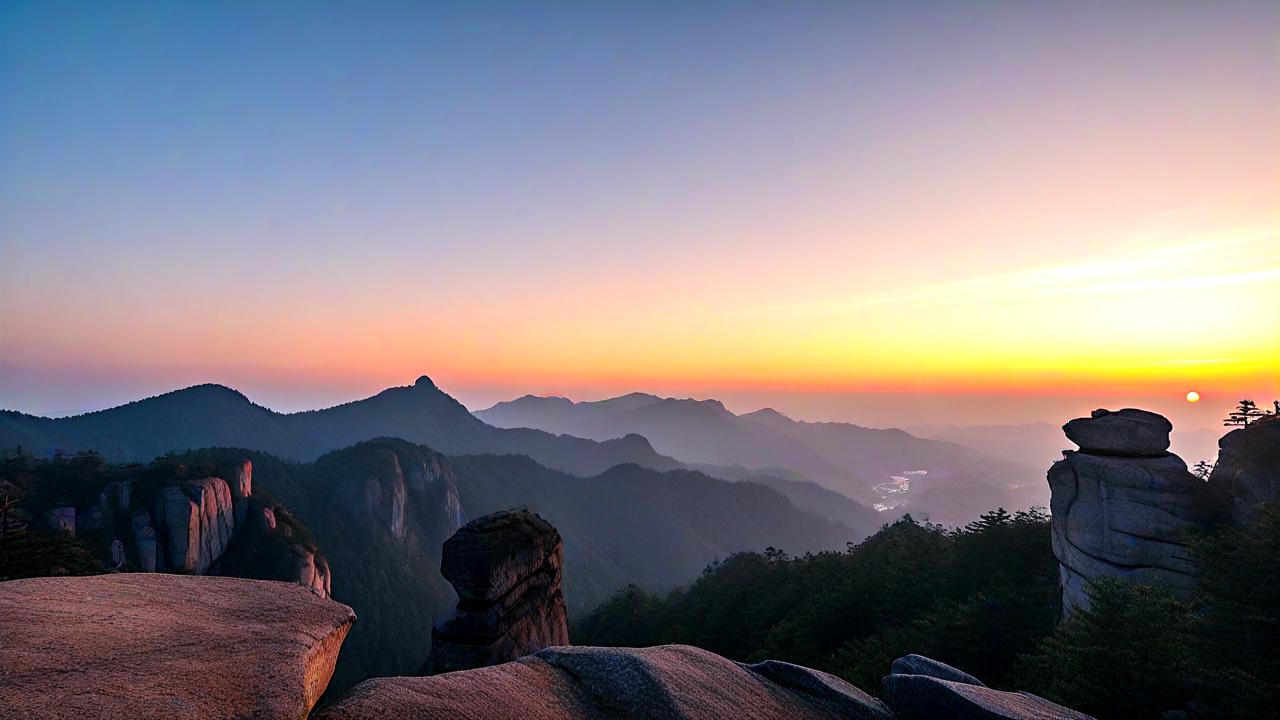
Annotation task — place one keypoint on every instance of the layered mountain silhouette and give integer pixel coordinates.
(217, 416)
(209, 415)
(950, 482)
(381, 510)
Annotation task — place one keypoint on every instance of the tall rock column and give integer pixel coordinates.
(505, 568)
(1123, 506)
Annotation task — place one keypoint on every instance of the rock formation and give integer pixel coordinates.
(241, 489)
(192, 526)
(1123, 506)
(164, 646)
(919, 688)
(505, 568)
(1248, 468)
(196, 520)
(564, 683)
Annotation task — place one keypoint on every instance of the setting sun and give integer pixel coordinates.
(1193, 396)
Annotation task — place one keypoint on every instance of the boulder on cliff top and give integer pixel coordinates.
(1128, 432)
(920, 697)
(490, 555)
(163, 646)
(1127, 517)
(564, 683)
(506, 568)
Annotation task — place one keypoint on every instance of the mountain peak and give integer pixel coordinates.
(424, 382)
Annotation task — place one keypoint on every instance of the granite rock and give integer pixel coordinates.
(565, 683)
(1128, 432)
(506, 569)
(147, 645)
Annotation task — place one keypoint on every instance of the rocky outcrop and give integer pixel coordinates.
(164, 646)
(192, 526)
(1124, 507)
(144, 541)
(1248, 469)
(241, 489)
(196, 520)
(564, 683)
(1125, 433)
(505, 568)
(920, 688)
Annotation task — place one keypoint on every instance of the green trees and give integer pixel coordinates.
(974, 597)
(1127, 656)
(1246, 411)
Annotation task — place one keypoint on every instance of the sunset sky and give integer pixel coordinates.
(888, 213)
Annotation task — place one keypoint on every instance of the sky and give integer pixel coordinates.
(888, 213)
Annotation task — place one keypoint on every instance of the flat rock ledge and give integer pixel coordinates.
(564, 683)
(145, 645)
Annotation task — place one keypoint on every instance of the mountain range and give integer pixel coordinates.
(206, 416)
(218, 416)
(887, 468)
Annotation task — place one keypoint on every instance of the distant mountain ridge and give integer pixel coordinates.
(217, 416)
(207, 416)
(951, 482)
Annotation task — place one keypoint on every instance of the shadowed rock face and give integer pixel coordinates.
(672, 681)
(505, 568)
(920, 688)
(1124, 515)
(1248, 468)
(145, 645)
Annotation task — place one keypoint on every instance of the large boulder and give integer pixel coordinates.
(1128, 433)
(1131, 518)
(149, 645)
(506, 569)
(564, 683)
(1248, 468)
(1124, 507)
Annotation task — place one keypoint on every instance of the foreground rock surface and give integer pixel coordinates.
(1128, 516)
(920, 697)
(506, 569)
(920, 688)
(672, 681)
(165, 646)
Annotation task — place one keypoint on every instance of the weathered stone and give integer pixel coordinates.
(1127, 432)
(1248, 469)
(312, 570)
(920, 697)
(144, 540)
(241, 489)
(196, 522)
(505, 568)
(566, 683)
(921, 665)
(1125, 517)
(144, 646)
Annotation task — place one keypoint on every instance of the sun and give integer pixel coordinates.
(1193, 396)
